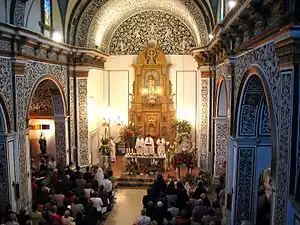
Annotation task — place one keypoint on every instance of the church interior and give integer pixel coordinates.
(133, 101)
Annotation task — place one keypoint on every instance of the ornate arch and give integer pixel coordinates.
(4, 118)
(87, 16)
(57, 84)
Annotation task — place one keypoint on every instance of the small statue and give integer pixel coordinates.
(43, 144)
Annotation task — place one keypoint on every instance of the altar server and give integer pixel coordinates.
(149, 145)
(161, 143)
(139, 145)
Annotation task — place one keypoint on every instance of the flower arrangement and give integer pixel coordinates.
(182, 126)
(190, 178)
(128, 133)
(184, 158)
(205, 177)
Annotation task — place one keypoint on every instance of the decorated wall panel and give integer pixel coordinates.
(103, 17)
(34, 71)
(245, 173)
(279, 87)
(4, 181)
(6, 86)
(169, 33)
(82, 122)
(221, 145)
(204, 133)
(41, 101)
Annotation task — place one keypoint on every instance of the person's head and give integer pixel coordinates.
(91, 203)
(168, 216)
(40, 207)
(22, 211)
(200, 184)
(148, 135)
(184, 213)
(173, 204)
(67, 213)
(12, 217)
(87, 185)
(94, 195)
(203, 196)
(143, 212)
(54, 209)
(34, 208)
(101, 188)
(200, 202)
(179, 185)
(87, 169)
(159, 204)
(105, 176)
(150, 204)
(78, 168)
(160, 178)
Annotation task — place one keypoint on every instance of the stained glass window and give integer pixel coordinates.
(47, 13)
(221, 10)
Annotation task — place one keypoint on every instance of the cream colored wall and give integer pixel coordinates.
(57, 22)
(110, 91)
(33, 15)
(4, 10)
(70, 7)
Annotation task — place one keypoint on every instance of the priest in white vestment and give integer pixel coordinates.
(112, 146)
(161, 145)
(139, 145)
(149, 145)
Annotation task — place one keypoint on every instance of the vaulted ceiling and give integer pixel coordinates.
(106, 23)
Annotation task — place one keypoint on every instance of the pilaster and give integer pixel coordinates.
(205, 153)
(79, 116)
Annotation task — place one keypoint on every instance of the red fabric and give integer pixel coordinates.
(55, 217)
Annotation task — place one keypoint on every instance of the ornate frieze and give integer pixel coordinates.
(133, 34)
(41, 101)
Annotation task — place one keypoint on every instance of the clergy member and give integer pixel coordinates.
(161, 143)
(149, 145)
(139, 145)
(112, 146)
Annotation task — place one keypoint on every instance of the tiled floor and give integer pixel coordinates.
(128, 206)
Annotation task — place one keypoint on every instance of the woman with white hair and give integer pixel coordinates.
(143, 219)
(67, 219)
(99, 176)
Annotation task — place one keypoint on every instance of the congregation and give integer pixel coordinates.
(65, 196)
(175, 204)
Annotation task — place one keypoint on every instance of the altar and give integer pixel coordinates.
(144, 163)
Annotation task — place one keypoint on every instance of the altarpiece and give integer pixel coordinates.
(152, 107)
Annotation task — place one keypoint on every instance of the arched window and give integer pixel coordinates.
(47, 21)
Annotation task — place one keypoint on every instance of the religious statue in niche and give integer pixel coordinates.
(43, 144)
(152, 86)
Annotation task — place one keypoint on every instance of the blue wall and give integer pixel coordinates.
(291, 212)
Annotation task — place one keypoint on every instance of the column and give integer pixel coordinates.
(21, 125)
